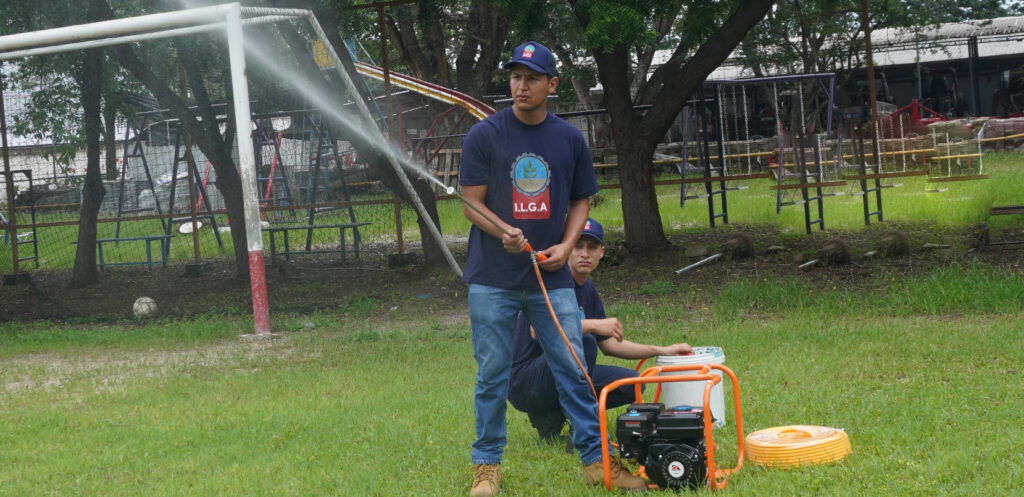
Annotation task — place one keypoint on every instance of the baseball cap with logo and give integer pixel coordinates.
(535, 56)
(594, 230)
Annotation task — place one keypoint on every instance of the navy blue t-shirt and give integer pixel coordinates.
(532, 173)
(525, 349)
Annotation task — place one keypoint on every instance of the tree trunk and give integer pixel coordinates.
(640, 215)
(669, 88)
(90, 83)
(482, 46)
(432, 254)
(581, 88)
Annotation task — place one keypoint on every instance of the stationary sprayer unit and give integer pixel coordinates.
(675, 444)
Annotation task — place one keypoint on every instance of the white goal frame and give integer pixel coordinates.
(229, 19)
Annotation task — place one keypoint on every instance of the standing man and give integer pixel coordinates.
(532, 387)
(530, 172)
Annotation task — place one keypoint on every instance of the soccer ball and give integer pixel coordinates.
(144, 307)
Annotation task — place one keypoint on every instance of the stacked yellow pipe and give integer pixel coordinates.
(797, 445)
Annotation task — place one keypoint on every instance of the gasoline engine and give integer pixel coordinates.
(669, 443)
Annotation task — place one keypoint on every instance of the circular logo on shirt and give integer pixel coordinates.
(530, 174)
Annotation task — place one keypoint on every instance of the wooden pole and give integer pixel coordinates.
(190, 165)
(866, 27)
(9, 181)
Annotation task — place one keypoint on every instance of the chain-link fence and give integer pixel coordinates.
(318, 201)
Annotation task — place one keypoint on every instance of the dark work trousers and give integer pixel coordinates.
(533, 391)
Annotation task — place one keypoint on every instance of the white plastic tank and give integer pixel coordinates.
(691, 393)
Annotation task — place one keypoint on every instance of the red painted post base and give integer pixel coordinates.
(258, 284)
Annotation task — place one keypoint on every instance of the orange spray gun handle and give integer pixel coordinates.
(540, 257)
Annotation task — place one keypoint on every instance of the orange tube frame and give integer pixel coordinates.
(717, 477)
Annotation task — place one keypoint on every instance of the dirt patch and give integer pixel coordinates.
(111, 369)
(306, 286)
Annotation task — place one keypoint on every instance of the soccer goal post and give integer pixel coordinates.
(229, 20)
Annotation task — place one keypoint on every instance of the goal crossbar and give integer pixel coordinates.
(120, 31)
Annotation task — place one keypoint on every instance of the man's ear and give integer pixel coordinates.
(552, 84)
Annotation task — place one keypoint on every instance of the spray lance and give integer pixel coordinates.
(534, 257)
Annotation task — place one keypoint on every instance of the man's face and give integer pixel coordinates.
(586, 255)
(530, 89)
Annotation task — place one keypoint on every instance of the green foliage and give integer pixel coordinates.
(523, 14)
(52, 114)
(698, 21)
(615, 26)
(355, 24)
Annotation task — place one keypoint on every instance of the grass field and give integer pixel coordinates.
(374, 397)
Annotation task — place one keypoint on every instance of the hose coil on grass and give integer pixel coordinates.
(797, 445)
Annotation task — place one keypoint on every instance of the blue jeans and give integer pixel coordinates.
(492, 314)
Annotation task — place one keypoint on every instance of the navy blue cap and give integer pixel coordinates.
(535, 56)
(594, 230)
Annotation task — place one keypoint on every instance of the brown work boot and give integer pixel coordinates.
(593, 474)
(486, 478)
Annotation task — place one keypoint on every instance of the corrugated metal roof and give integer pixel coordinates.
(999, 26)
(946, 53)
(1000, 36)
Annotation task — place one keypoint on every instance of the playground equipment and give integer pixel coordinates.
(475, 107)
(130, 160)
(719, 151)
(675, 444)
(135, 197)
(737, 245)
(812, 159)
(275, 174)
(955, 155)
(917, 141)
(28, 238)
(815, 178)
(706, 124)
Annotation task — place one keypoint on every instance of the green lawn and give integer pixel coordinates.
(923, 374)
